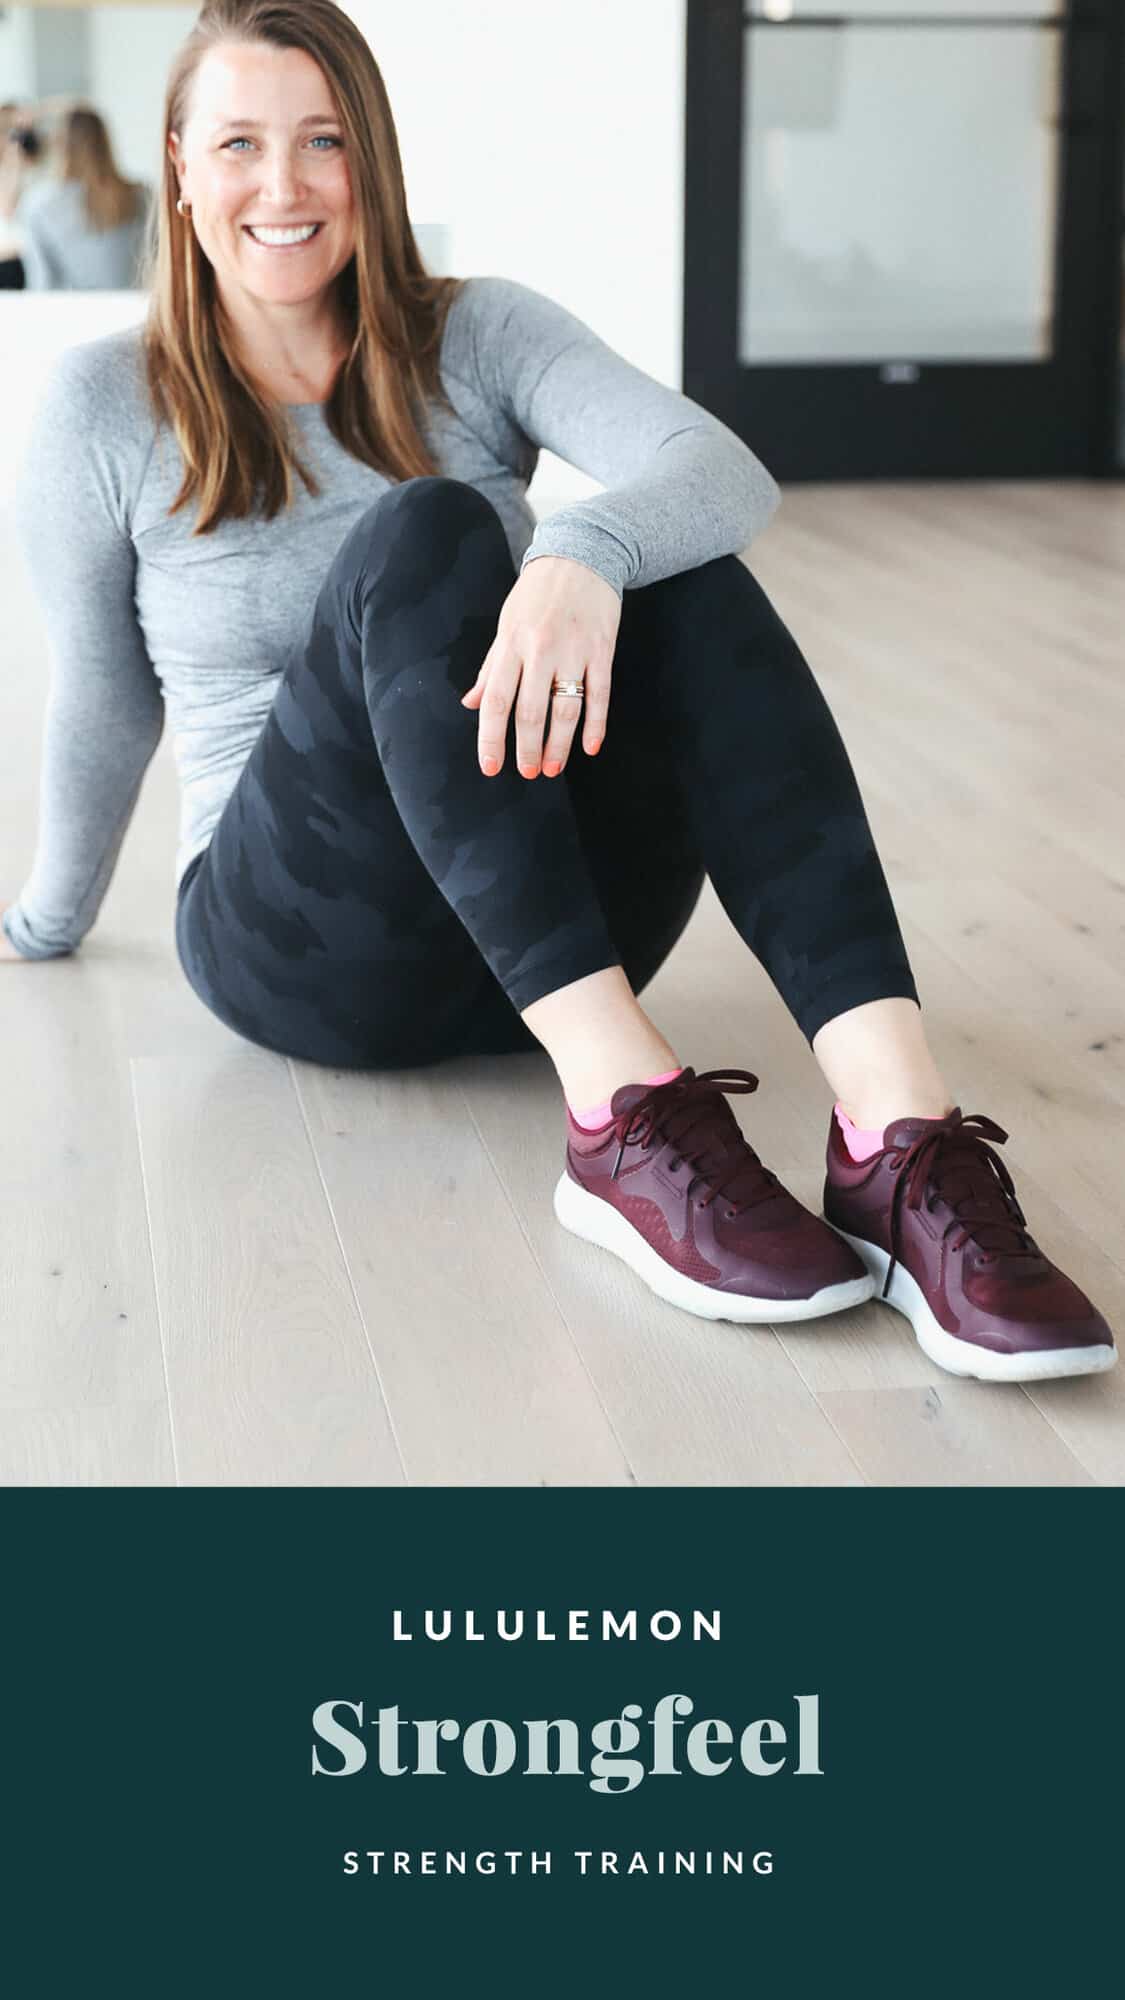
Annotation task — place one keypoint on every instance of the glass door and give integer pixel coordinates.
(900, 232)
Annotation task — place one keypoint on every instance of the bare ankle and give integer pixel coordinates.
(874, 1112)
(594, 1080)
(598, 1036)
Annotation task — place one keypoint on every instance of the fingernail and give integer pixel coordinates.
(489, 766)
(596, 745)
(551, 769)
(529, 770)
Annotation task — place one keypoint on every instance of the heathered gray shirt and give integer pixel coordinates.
(64, 252)
(144, 623)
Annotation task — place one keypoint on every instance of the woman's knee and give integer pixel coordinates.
(424, 519)
(433, 500)
(412, 539)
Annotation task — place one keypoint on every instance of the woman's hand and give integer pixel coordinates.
(561, 619)
(7, 948)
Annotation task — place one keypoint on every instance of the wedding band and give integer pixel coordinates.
(567, 687)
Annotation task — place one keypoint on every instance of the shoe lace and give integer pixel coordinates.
(953, 1162)
(691, 1115)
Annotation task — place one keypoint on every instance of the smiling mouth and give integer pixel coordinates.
(282, 237)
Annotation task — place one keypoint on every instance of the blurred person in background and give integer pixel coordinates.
(83, 228)
(20, 158)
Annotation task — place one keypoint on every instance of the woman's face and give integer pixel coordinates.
(261, 160)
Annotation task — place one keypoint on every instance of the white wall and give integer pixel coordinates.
(17, 54)
(130, 52)
(549, 135)
(546, 135)
(61, 41)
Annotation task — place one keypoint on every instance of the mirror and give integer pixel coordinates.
(81, 146)
(81, 92)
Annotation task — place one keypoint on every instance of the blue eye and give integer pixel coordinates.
(322, 139)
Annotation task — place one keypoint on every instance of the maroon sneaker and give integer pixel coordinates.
(671, 1186)
(935, 1218)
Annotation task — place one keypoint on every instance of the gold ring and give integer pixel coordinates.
(567, 687)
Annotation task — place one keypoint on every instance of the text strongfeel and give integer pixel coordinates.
(493, 1748)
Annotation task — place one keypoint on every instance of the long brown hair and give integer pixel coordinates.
(237, 445)
(85, 154)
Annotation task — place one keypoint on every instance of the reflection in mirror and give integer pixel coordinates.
(81, 91)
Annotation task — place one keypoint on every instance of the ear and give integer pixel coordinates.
(176, 154)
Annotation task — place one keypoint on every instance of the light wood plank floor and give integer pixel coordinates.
(214, 1272)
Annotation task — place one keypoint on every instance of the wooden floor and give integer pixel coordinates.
(213, 1270)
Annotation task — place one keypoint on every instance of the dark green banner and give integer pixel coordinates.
(895, 1767)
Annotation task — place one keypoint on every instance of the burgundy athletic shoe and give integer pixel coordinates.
(671, 1187)
(935, 1218)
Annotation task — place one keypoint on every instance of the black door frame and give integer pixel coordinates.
(846, 420)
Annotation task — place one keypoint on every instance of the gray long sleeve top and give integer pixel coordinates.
(144, 623)
(63, 252)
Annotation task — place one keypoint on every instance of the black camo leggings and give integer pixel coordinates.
(369, 899)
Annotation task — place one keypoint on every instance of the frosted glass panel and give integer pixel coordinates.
(871, 10)
(899, 193)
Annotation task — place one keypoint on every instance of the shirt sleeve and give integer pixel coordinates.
(104, 711)
(681, 488)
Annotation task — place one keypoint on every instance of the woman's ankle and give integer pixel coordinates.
(593, 1116)
(592, 1080)
(879, 1066)
(598, 1036)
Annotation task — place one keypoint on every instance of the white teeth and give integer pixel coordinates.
(279, 236)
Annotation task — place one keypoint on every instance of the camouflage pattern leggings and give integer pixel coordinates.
(370, 900)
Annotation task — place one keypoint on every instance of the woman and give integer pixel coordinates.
(19, 155)
(84, 227)
(290, 515)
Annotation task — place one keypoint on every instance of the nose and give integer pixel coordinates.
(281, 180)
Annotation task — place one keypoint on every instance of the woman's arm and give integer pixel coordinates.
(42, 269)
(681, 487)
(105, 711)
(11, 177)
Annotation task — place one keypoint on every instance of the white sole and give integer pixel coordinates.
(963, 1357)
(587, 1215)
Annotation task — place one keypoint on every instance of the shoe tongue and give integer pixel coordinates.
(964, 1177)
(629, 1094)
(903, 1133)
(717, 1143)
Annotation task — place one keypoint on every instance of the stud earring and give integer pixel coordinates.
(183, 207)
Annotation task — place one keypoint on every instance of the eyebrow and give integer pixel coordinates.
(253, 124)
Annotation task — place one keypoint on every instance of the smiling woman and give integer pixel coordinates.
(282, 174)
(270, 201)
(291, 516)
